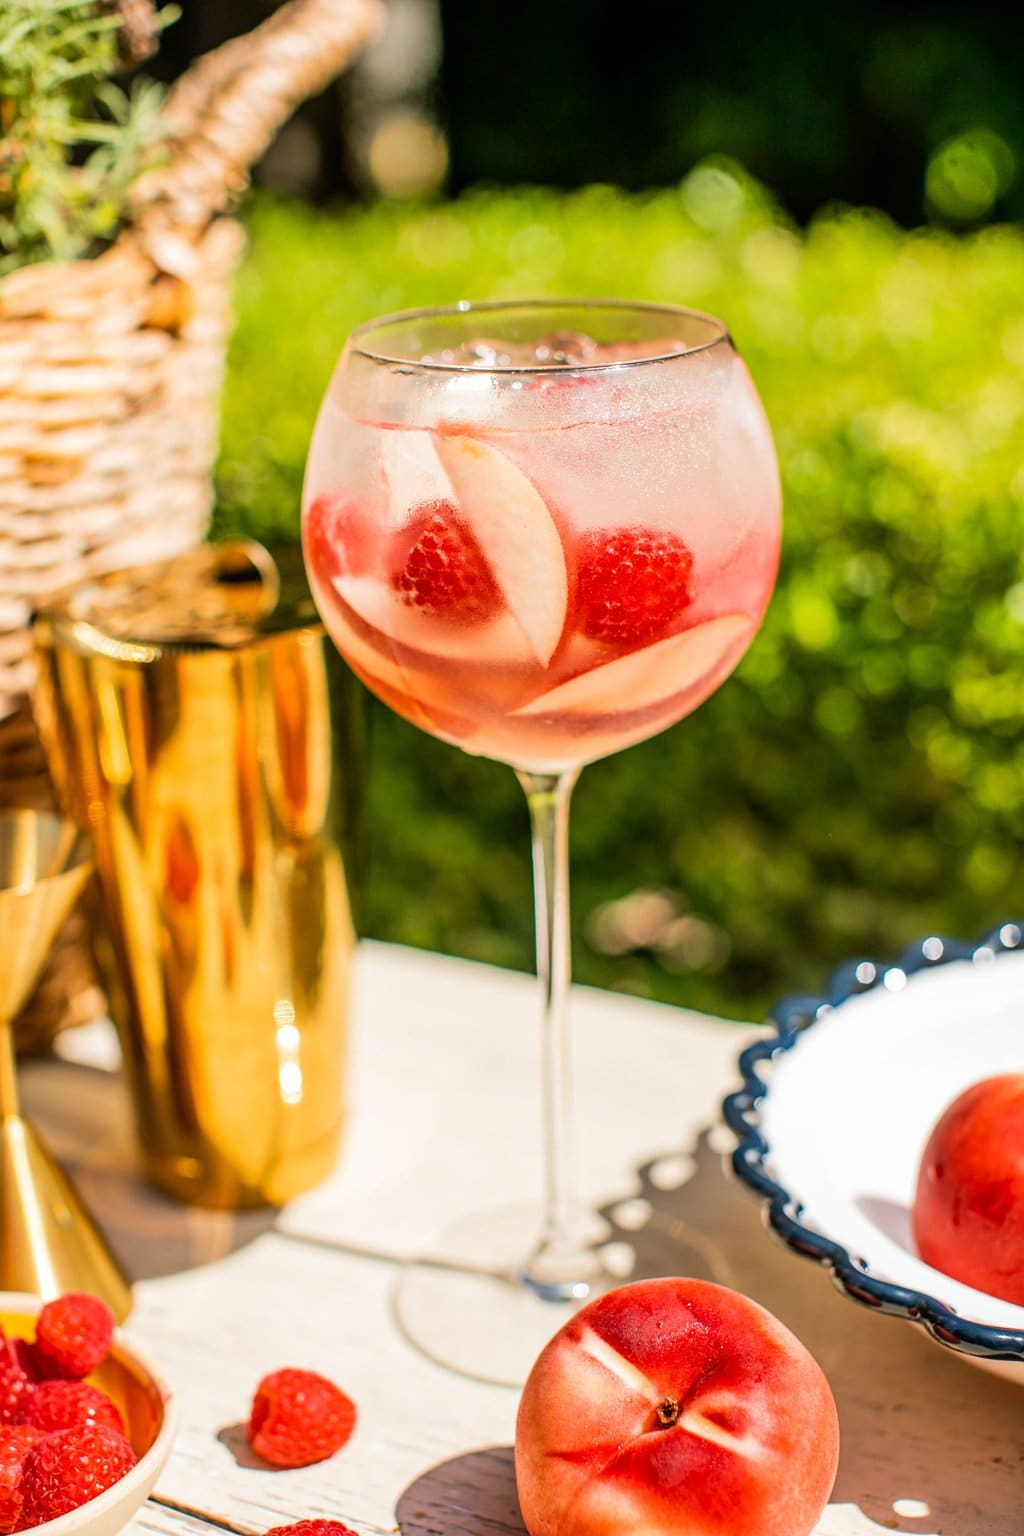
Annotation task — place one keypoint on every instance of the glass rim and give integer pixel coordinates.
(489, 306)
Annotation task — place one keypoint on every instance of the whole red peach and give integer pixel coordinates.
(675, 1408)
(968, 1214)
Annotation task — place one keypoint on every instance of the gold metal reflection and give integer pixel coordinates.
(199, 752)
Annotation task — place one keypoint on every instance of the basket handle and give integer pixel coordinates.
(227, 106)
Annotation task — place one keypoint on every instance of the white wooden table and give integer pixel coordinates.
(444, 1120)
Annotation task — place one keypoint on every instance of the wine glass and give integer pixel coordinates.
(542, 531)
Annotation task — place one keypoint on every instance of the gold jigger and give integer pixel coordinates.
(48, 1241)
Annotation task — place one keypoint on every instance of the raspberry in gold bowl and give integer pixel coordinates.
(147, 1411)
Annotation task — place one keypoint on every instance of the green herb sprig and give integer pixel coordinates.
(72, 138)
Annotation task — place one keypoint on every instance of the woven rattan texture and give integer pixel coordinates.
(110, 377)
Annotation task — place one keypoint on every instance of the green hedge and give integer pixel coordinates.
(859, 781)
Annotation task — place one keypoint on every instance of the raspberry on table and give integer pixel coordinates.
(54, 1405)
(312, 1528)
(445, 573)
(14, 1382)
(65, 1470)
(632, 584)
(73, 1334)
(299, 1417)
(16, 1440)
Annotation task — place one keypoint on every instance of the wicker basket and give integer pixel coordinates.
(110, 377)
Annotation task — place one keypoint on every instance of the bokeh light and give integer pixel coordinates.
(407, 156)
(967, 174)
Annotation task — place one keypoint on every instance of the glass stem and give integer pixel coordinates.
(561, 1268)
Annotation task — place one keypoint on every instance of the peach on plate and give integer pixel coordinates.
(968, 1212)
(674, 1407)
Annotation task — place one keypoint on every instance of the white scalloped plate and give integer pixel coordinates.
(849, 1107)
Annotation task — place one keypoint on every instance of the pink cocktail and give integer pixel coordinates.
(543, 532)
(546, 564)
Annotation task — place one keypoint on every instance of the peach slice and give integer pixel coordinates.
(645, 677)
(415, 695)
(675, 1407)
(500, 641)
(512, 525)
(420, 696)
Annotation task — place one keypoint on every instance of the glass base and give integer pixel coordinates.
(467, 1305)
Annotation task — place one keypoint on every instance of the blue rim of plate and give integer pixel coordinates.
(791, 1018)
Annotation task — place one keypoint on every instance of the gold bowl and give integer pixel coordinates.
(147, 1407)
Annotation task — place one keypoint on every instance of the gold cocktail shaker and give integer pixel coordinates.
(190, 724)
